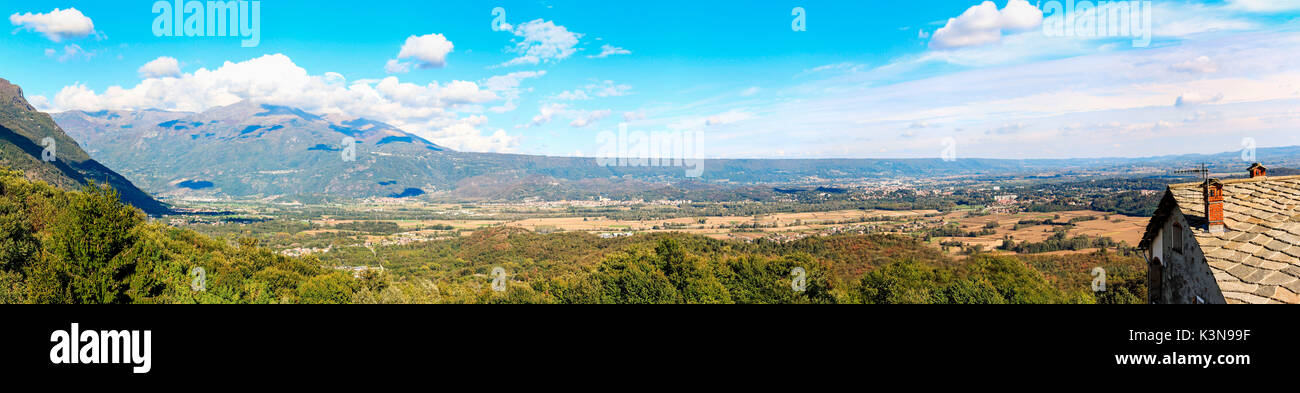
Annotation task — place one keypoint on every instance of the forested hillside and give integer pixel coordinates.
(86, 246)
(681, 268)
(32, 143)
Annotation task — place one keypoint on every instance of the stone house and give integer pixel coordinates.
(1230, 241)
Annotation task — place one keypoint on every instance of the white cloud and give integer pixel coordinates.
(546, 112)
(1193, 98)
(1188, 19)
(609, 89)
(1199, 65)
(397, 67)
(600, 89)
(507, 87)
(542, 41)
(40, 102)
(633, 116)
(1020, 16)
(56, 25)
(163, 66)
(1008, 128)
(1264, 6)
(572, 95)
(427, 51)
(728, 117)
(836, 68)
(852, 114)
(70, 52)
(465, 135)
(429, 111)
(984, 24)
(587, 118)
(579, 118)
(610, 50)
(751, 91)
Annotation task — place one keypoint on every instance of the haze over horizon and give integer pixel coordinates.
(863, 80)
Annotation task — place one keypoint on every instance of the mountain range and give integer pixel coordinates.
(251, 149)
(30, 141)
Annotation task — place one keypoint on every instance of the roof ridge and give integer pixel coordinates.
(1235, 181)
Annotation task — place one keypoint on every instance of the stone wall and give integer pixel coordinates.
(1186, 274)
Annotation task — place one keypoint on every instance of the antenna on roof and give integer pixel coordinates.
(1204, 171)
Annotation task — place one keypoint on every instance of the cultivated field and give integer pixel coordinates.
(1117, 227)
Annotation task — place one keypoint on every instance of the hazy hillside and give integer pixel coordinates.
(23, 131)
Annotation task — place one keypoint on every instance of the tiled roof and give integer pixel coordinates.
(1257, 258)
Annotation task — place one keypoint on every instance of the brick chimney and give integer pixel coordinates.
(1257, 170)
(1213, 191)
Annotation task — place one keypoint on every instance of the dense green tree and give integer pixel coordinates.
(904, 282)
(83, 248)
(331, 288)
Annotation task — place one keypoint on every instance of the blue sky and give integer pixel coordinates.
(865, 79)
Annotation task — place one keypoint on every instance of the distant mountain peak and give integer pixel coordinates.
(279, 110)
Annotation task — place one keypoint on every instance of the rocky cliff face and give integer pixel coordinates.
(31, 142)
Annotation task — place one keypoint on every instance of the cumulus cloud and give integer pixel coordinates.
(546, 113)
(608, 50)
(542, 41)
(466, 136)
(56, 25)
(40, 102)
(426, 51)
(984, 24)
(393, 66)
(1192, 99)
(584, 119)
(429, 111)
(1199, 65)
(161, 67)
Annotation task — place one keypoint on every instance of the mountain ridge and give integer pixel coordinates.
(25, 136)
(251, 149)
